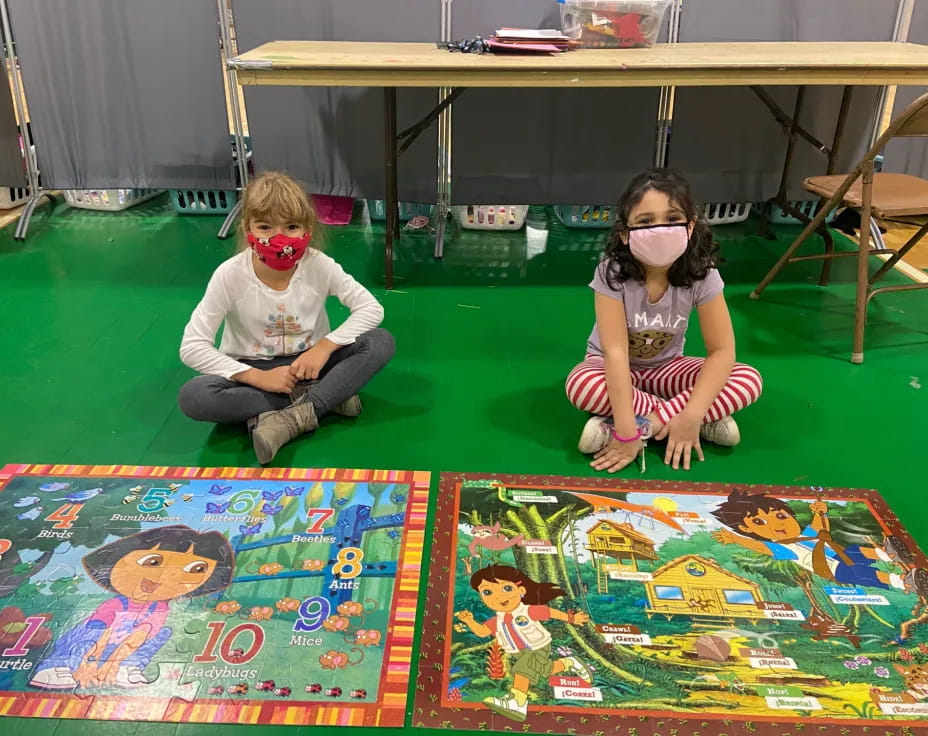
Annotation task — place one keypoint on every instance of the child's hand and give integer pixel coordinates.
(723, 536)
(818, 507)
(616, 455)
(682, 433)
(276, 380)
(86, 675)
(309, 365)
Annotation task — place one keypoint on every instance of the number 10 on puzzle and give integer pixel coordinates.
(217, 595)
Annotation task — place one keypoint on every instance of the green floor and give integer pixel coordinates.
(92, 307)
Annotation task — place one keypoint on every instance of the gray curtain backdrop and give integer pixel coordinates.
(910, 155)
(124, 93)
(12, 173)
(725, 139)
(544, 146)
(332, 138)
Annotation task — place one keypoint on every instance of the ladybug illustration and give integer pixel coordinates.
(215, 690)
(283, 692)
(238, 689)
(334, 692)
(314, 688)
(265, 686)
(360, 694)
(236, 656)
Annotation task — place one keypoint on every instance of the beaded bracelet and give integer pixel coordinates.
(616, 437)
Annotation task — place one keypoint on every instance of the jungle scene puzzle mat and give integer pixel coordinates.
(593, 606)
(216, 595)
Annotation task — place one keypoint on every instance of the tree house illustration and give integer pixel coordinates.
(608, 541)
(697, 587)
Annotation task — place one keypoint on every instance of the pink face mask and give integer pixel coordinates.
(280, 252)
(658, 246)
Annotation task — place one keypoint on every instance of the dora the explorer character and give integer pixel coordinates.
(113, 646)
(520, 606)
(768, 526)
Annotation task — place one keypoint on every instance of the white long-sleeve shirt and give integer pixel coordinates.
(262, 323)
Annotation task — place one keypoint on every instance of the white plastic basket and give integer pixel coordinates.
(726, 213)
(108, 200)
(13, 197)
(491, 216)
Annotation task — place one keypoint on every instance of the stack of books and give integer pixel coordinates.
(530, 40)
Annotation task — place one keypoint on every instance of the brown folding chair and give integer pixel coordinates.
(882, 195)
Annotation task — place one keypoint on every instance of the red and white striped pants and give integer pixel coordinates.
(664, 390)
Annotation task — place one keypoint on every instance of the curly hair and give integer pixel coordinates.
(620, 265)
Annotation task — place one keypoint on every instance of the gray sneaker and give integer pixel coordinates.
(350, 407)
(916, 581)
(272, 430)
(895, 548)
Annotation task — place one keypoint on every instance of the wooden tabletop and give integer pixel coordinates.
(337, 63)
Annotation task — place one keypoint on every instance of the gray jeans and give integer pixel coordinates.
(219, 400)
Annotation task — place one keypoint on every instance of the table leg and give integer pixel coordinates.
(392, 198)
(790, 146)
(863, 260)
(825, 275)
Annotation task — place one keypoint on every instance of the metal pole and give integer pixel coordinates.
(229, 51)
(444, 147)
(887, 99)
(667, 94)
(35, 194)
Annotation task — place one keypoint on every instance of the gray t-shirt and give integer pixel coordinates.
(656, 332)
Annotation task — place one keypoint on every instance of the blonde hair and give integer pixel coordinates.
(276, 197)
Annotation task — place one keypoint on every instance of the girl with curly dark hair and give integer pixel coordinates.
(659, 265)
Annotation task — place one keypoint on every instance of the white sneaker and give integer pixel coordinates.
(507, 707)
(53, 678)
(724, 432)
(131, 677)
(597, 433)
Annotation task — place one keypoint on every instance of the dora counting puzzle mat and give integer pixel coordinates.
(216, 595)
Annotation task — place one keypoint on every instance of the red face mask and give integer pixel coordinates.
(280, 252)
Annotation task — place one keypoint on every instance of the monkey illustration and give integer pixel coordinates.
(488, 538)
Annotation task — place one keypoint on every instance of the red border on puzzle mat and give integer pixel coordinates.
(389, 710)
(432, 709)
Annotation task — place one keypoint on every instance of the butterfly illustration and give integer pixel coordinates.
(393, 534)
(270, 510)
(268, 496)
(291, 491)
(247, 530)
(218, 490)
(339, 501)
(217, 508)
(397, 497)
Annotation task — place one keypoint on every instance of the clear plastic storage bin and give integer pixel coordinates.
(407, 210)
(613, 24)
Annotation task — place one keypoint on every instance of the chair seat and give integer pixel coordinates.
(894, 195)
